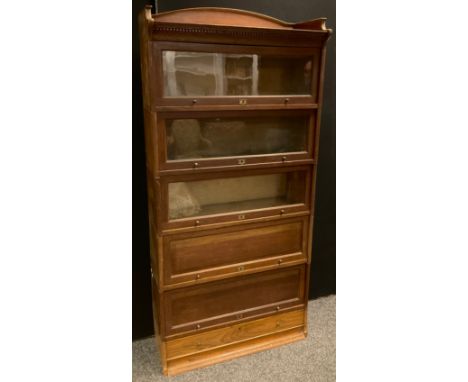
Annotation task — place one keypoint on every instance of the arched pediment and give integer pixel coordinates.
(232, 18)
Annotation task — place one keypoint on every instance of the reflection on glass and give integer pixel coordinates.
(220, 74)
(220, 137)
(215, 196)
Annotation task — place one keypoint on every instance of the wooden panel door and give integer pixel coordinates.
(210, 254)
(221, 302)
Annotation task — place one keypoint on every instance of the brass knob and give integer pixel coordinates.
(286, 100)
(195, 164)
(278, 308)
(282, 212)
(198, 276)
(197, 222)
(198, 326)
(280, 261)
(194, 101)
(283, 159)
(241, 268)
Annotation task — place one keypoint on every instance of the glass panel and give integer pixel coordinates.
(221, 137)
(215, 196)
(221, 74)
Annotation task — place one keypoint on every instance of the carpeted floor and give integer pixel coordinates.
(312, 359)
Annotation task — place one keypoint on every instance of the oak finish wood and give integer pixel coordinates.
(233, 17)
(236, 333)
(221, 302)
(228, 284)
(235, 350)
(234, 251)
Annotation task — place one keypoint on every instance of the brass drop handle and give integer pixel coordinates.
(197, 222)
(286, 100)
(196, 164)
(194, 101)
(198, 326)
(282, 212)
(278, 308)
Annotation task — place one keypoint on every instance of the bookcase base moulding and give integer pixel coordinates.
(232, 104)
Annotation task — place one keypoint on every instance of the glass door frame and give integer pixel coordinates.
(230, 218)
(247, 161)
(243, 102)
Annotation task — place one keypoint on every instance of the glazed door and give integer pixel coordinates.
(197, 200)
(201, 74)
(206, 140)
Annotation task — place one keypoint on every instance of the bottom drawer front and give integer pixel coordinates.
(237, 333)
(231, 300)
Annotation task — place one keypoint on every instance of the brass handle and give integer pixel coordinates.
(241, 217)
(194, 101)
(280, 261)
(195, 164)
(283, 159)
(198, 326)
(242, 101)
(241, 161)
(197, 222)
(241, 268)
(278, 308)
(198, 276)
(282, 212)
(286, 100)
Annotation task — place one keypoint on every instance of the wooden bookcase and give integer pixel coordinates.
(232, 118)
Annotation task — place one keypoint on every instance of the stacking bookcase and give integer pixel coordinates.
(232, 118)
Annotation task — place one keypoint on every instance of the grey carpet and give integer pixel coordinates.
(312, 359)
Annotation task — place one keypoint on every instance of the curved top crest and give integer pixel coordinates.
(231, 17)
